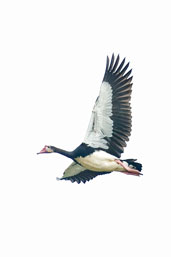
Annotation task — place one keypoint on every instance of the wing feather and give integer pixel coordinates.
(115, 65)
(77, 173)
(111, 120)
(111, 63)
(120, 66)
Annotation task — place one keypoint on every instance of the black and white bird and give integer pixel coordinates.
(108, 130)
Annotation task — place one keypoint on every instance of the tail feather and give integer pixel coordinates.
(134, 165)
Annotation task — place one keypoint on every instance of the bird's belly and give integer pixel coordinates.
(99, 161)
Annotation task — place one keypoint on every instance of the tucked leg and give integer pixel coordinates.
(127, 169)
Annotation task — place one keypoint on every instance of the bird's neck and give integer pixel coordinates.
(63, 152)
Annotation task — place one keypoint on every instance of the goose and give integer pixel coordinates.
(108, 131)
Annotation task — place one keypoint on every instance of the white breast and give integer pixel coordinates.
(100, 161)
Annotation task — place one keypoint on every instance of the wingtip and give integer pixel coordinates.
(118, 58)
(57, 178)
(107, 62)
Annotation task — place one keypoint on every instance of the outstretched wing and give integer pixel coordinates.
(77, 173)
(110, 123)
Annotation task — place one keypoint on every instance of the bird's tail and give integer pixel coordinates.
(133, 165)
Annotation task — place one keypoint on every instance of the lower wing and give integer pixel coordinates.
(77, 173)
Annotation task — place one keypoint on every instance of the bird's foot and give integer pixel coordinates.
(128, 170)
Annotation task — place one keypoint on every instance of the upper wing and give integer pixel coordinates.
(77, 173)
(110, 123)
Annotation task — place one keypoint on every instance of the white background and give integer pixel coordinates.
(52, 61)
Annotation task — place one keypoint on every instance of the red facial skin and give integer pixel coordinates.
(43, 150)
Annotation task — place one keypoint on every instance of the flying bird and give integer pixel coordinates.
(108, 130)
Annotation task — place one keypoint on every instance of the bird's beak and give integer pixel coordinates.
(43, 150)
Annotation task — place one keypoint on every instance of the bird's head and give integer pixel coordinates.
(47, 149)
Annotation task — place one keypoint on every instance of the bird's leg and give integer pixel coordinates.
(128, 170)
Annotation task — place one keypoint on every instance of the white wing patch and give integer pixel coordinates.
(101, 125)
